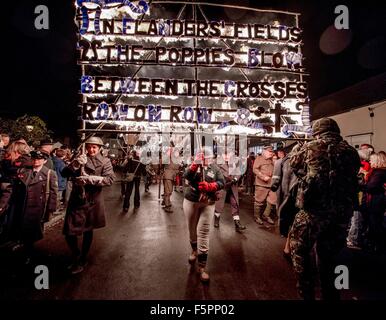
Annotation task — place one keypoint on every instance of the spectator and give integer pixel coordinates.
(358, 223)
(374, 202)
(59, 164)
(16, 157)
(285, 183)
(34, 198)
(46, 146)
(4, 142)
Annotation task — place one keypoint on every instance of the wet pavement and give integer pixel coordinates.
(143, 254)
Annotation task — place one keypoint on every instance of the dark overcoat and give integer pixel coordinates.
(285, 183)
(32, 203)
(86, 208)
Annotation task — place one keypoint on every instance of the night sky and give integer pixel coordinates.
(42, 77)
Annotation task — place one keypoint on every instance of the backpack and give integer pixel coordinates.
(330, 183)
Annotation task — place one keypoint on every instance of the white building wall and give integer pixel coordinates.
(357, 126)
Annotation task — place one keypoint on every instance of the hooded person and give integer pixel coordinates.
(85, 212)
(327, 169)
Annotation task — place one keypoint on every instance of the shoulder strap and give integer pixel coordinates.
(135, 171)
(47, 190)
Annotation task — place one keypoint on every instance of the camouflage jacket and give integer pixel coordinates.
(327, 168)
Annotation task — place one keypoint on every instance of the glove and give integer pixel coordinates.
(92, 180)
(199, 159)
(194, 167)
(82, 159)
(234, 181)
(79, 161)
(207, 187)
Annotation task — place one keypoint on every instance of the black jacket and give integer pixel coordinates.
(212, 174)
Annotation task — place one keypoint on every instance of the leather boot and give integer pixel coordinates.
(258, 211)
(204, 276)
(238, 226)
(202, 258)
(216, 221)
(267, 214)
(193, 256)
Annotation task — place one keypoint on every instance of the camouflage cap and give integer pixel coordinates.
(325, 125)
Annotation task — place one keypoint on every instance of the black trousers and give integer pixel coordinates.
(129, 189)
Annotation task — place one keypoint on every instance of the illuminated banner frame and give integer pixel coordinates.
(117, 36)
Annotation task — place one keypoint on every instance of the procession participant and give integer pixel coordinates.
(133, 169)
(230, 189)
(205, 179)
(327, 168)
(264, 196)
(169, 174)
(85, 211)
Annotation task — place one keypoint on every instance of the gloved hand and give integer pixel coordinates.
(91, 180)
(82, 159)
(79, 161)
(207, 186)
(234, 181)
(199, 159)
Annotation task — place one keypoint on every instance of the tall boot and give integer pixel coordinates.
(238, 226)
(267, 213)
(258, 211)
(202, 258)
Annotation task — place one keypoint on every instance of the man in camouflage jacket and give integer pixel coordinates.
(327, 168)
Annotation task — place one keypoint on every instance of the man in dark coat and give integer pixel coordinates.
(34, 197)
(284, 183)
(86, 210)
(327, 168)
(231, 176)
(133, 169)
